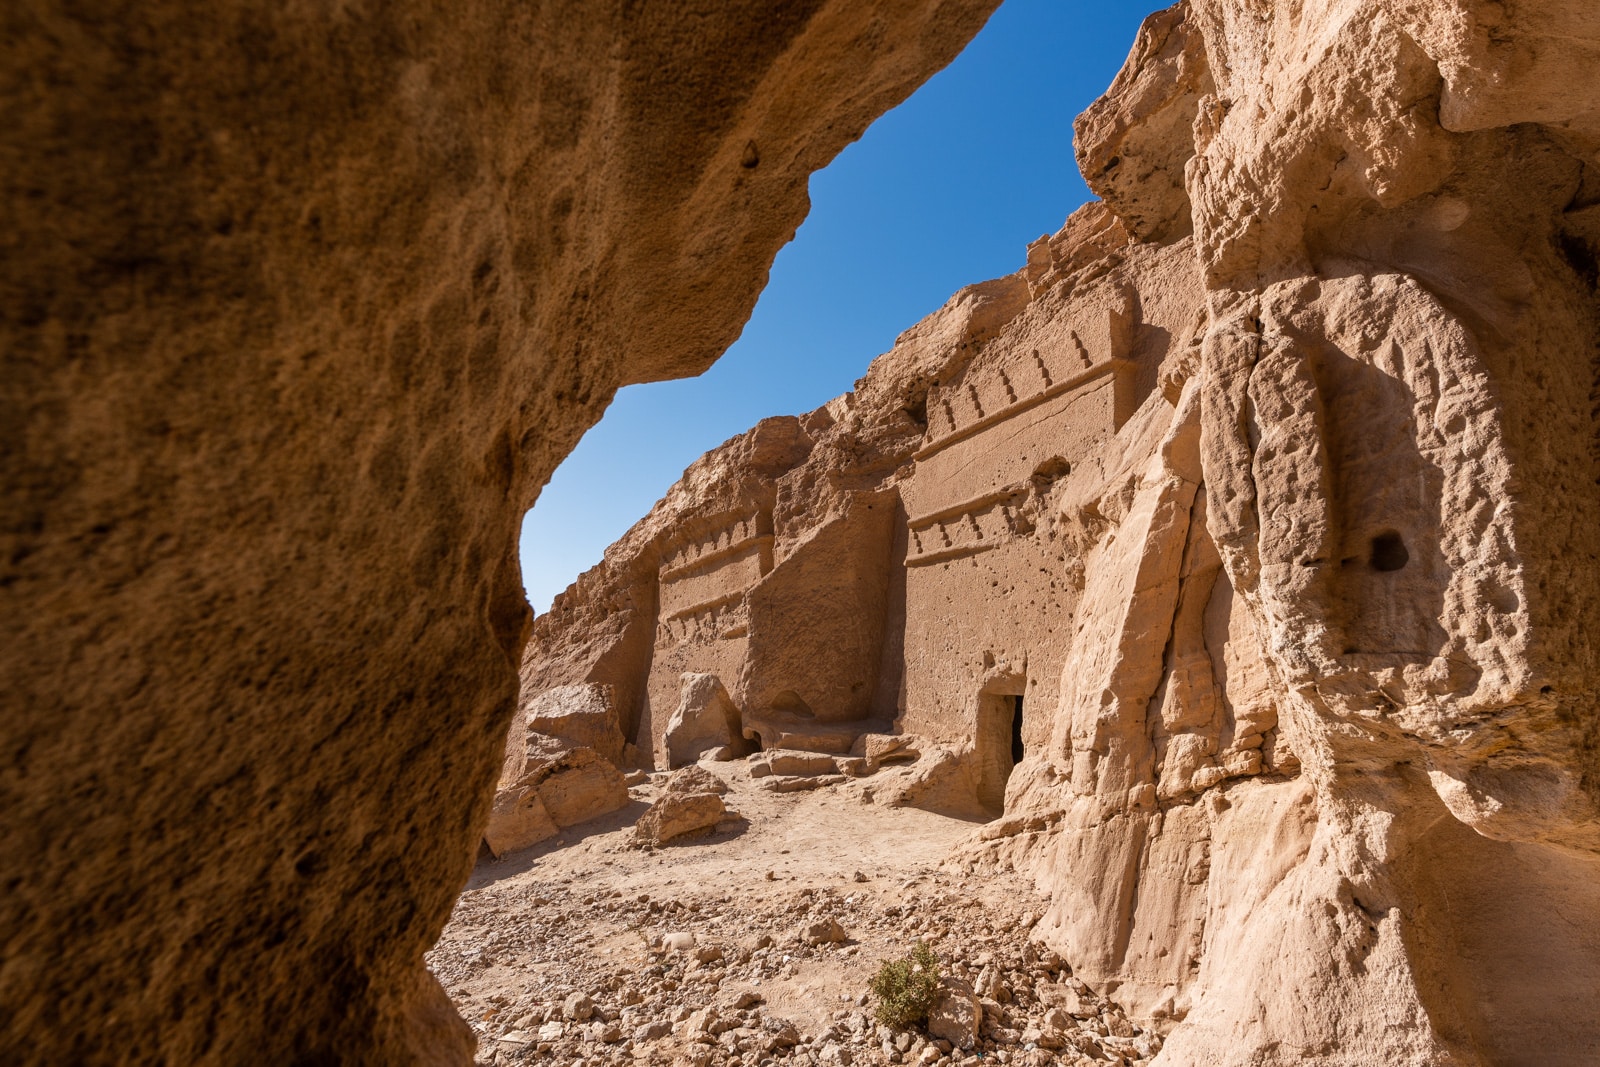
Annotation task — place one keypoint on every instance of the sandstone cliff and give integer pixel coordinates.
(1244, 542)
(300, 305)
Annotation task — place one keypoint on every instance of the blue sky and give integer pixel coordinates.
(946, 190)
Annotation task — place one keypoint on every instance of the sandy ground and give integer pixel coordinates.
(564, 952)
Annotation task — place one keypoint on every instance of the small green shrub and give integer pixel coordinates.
(905, 988)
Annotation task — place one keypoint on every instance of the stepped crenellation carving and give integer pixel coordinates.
(723, 541)
(967, 528)
(991, 395)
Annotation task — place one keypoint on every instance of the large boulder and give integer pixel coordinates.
(517, 820)
(579, 786)
(677, 815)
(955, 1014)
(581, 714)
(695, 779)
(547, 786)
(706, 721)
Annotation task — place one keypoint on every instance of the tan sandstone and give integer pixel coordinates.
(679, 814)
(583, 715)
(1237, 557)
(300, 306)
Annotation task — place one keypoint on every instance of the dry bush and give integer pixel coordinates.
(905, 988)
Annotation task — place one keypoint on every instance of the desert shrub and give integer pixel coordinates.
(905, 988)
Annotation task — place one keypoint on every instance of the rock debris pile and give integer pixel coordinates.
(747, 969)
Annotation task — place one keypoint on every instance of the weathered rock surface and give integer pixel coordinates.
(878, 749)
(695, 779)
(677, 815)
(706, 721)
(955, 1014)
(301, 305)
(547, 785)
(779, 761)
(580, 785)
(518, 819)
(825, 931)
(1239, 552)
(581, 715)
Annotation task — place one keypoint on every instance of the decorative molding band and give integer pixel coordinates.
(967, 507)
(971, 548)
(977, 426)
(706, 606)
(716, 555)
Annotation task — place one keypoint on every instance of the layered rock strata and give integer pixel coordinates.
(1242, 547)
(300, 306)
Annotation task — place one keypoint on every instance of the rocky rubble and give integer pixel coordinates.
(749, 972)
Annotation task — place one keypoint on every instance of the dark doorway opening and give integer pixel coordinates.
(1016, 730)
(999, 740)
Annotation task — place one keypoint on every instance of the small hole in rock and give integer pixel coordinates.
(1051, 469)
(1389, 552)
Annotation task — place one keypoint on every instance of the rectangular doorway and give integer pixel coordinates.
(999, 745)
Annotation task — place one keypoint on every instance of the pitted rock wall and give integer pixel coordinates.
(300, 306)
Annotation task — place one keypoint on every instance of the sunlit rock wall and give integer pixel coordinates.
(1271, 487)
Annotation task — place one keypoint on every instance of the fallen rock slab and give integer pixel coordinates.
(581, 786)
(955, 1014)
(581, 715)
(800, 785)
(784, 762)
(546, 787)
(706, 721)
(695, 779)
(678, 815)
(519, 819)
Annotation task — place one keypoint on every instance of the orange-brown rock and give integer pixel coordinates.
(679, 814)
(705, 722)
(1239, 552)
(300, 306)
(583, 715)
(695, 779)
(546, 786)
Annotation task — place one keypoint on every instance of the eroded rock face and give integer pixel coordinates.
(583, 715)
(1242, 548)
(301, 307)
(706, 722)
